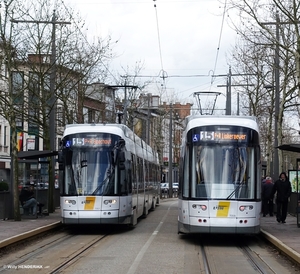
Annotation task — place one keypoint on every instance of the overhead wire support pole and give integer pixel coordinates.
(228, 88)
(277, 91)
(53, 71)
(52, 124)
(228, 91)
(170, 153)
(277, 23)
(238, 100)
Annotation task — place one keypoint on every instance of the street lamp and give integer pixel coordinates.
(276, 71)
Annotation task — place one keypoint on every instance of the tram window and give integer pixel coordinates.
(220, 172)
(123, 182)
(201, 191)
(186, 174)
(129, 181)
(121, 160)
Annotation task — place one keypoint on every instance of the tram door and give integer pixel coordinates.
(125, 183)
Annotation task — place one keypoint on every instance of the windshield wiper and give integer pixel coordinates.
(100, 185)
(235, 191)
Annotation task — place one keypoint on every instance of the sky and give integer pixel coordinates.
(185, 40)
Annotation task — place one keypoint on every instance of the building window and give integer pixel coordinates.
(60, 117)
(17, 82)
(5, 139)
(91, 116)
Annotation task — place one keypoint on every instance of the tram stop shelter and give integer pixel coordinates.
(33, 169)
(295, 148)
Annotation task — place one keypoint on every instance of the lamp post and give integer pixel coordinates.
(276, 72)
(170, 153)
(276, 158)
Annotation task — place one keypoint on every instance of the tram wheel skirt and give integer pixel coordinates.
(119, 220)
(189, 229)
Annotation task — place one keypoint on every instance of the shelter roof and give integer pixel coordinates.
(290, 147)
(36, 154)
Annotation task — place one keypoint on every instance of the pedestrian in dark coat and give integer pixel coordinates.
(267, 197)
(283, 190)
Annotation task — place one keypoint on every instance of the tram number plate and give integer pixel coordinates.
(89, 203)
(223, 209)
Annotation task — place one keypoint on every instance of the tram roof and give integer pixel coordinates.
(207, 120)
(119, 129)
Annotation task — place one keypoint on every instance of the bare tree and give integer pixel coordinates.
(276, 24)
(9, 110)
(251, 60)
(26, 96)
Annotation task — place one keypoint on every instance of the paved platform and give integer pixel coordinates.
(283, 236)
(12, 231)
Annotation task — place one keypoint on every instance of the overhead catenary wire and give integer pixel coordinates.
(219, 42)
(158, 28)
(163, 73)
(218, 50)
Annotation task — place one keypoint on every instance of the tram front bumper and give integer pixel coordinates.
(220, 225)
(90, 217)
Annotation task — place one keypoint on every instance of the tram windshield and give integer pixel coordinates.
(218, 169)
(90, 169)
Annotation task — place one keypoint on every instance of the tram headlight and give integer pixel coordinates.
(244, 207)
(70, 202)
(112, 201)
(203, 207)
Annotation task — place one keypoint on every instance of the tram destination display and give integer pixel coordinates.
(207, 136)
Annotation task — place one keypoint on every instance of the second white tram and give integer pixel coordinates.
(108, 174)
(220, 176)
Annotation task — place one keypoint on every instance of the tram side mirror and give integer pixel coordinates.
(121, 163)
(121, 142)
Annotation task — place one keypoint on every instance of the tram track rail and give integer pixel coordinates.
(258, 265)
(115, 249)
(76, 256)
(52, 254)
(205, 260)
(32, 253)
(236, 255)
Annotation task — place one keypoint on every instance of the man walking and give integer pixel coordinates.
(267, 197)
(283, 189)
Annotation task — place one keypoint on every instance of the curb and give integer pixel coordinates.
(28, 234)
(281, 246)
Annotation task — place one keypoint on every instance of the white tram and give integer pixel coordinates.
(109, 175)
(220, 176)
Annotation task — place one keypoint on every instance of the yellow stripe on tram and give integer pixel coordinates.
(89, 203)
(223, 209)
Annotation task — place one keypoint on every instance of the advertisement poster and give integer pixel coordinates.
(31, 143)
(20, 141)
(293, 180)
